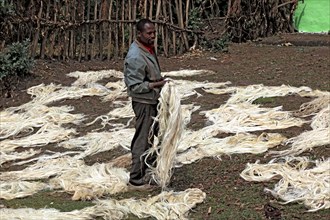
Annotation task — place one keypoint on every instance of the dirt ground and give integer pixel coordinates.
(290, 59)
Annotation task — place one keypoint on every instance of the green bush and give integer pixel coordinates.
(15, 60)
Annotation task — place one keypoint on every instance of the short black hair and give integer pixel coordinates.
(140, 24)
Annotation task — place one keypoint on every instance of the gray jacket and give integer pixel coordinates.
(140, 68)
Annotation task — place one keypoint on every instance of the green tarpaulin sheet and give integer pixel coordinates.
(312, 16)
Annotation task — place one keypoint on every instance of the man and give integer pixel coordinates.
(143, 80)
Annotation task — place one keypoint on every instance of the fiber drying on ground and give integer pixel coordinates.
(96, 142)
(297, 180)
(246, 117)
(166, 205)
(84, 78)
(35, 124)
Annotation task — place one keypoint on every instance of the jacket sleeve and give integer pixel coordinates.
(135, 75)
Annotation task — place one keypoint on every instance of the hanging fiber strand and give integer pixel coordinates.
(170, 129)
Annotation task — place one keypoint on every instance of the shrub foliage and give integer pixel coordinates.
(15, 62)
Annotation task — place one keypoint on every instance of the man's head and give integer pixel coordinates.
(146, 32)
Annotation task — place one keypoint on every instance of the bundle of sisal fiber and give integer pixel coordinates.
(298, 180)
(166, 205)
(20, 189)
(171, 125)
(318, 136)
(84, 78)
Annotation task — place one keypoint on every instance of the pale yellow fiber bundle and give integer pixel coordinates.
(318, 136)
(252, 92)
(10, 156)
(298, 181)
(90, 182)
(47, 214)
(96, 142)
(46, 94)
(320, 102)
(215, 147)
(165, 206)
(43, 169)
(187, 88)
(84, 78)
(246, 117)
(117, 90)
(170, 129)
(47, 134)
(36, 116)
(19, 189)
(184, 73)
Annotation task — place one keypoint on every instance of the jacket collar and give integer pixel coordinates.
(145, 48)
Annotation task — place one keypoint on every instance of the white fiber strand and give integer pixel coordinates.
(84, 78)
(49, 214)
(25, 122)
(166, 205)
(321, 101)
(97, 142)
(47, 134)
(170, 130)
(215, 147)
(11, 156)
(184, 73)
(19, 189)
(43, 169)
(250, 93)
(297, 181)
(246, 117)
(90, 182)
(319, 136)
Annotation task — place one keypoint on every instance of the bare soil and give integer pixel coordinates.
(290, 59)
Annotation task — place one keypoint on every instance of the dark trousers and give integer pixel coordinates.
(144, 114)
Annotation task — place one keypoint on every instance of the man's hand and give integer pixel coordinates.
(157, 84)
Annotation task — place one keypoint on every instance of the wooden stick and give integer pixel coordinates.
(109, 32)
(165, 32)
(173, 33)
(130, 34)
(122, 49)
(72, 48)
(81, 11)
(66, 33)
(87, 52)
(44, 34)
(159, 3)
(93, 48)
(116, 33)
(37, 32)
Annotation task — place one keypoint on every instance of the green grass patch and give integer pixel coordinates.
(48, 199)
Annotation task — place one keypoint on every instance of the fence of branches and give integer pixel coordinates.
(104, 29)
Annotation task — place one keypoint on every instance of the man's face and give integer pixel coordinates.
(147, 36)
